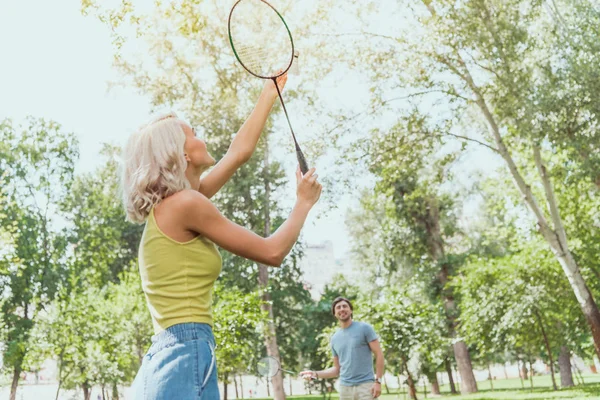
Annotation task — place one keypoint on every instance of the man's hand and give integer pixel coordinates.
(376, 390)
(308, 375)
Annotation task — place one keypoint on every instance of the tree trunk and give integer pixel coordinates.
(242, 385)
(457, 382)
(15, 382)
(490, 377)
(463, 360)
(87, 393)
(115, 392)
(564, 365)
(582, 293)
(270, 334)
(237, 393)
(436, 249)
(263, 281)
(547, 344)
(412, 390)
(435, 386)
(450, 377)
(225, 385)
(578, 371)
(524, 371)
(530, 373)
(60, 372)
(58, 390)
(591, 312)
(387, 389)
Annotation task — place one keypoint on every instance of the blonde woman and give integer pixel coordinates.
(178, 257)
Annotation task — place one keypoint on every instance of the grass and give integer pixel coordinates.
(504, 389)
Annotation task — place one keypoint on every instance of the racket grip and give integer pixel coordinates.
(302, 161)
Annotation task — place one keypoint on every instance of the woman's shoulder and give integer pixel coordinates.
(183, 201)
(185, 197)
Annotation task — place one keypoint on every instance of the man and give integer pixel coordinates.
(353, 346)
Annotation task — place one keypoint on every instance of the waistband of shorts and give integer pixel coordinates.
(354, 384)
(184, 332)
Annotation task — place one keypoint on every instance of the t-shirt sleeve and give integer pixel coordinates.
(370, 334)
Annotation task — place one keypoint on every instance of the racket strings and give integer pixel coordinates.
(260, 38)
(254, 57)
(268, 366)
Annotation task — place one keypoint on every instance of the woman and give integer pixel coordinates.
(178, 259)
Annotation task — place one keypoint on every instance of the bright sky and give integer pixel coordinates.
(56, 64)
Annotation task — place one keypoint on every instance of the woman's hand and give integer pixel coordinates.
(308, 190)
(245, 140)
(269, 86)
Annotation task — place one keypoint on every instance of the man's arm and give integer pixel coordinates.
(379, 367)
(379, 361)
(332, 372)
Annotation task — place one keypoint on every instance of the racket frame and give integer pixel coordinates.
(299, 154)
(278, 366)
(238, 56)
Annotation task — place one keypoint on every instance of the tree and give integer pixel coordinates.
(36, 171)
(519, 303)
(493, 70)
(237, 326)
(515, 273)
(97, 327)
(290, 300)
(409, 333)
(419, 227)
(104, 243)
(97, 335)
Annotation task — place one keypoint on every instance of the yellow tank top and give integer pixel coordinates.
(177, 277)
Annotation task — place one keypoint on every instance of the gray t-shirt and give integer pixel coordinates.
(351, 346)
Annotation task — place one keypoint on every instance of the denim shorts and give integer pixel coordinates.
(180, 365)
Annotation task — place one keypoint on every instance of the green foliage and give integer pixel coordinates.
(104, 243)
(443, 77)
(504, 302)
(514, 77)
(36, 171)
(98, 336)
(237, 327)
(290, 301)
(409, 333)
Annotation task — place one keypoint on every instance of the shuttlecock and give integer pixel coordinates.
(295, 68)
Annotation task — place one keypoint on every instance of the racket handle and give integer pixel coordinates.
(301, 161)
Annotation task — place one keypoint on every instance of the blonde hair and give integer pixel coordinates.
(154, 166)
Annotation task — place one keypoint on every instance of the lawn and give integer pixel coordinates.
(505, 389)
